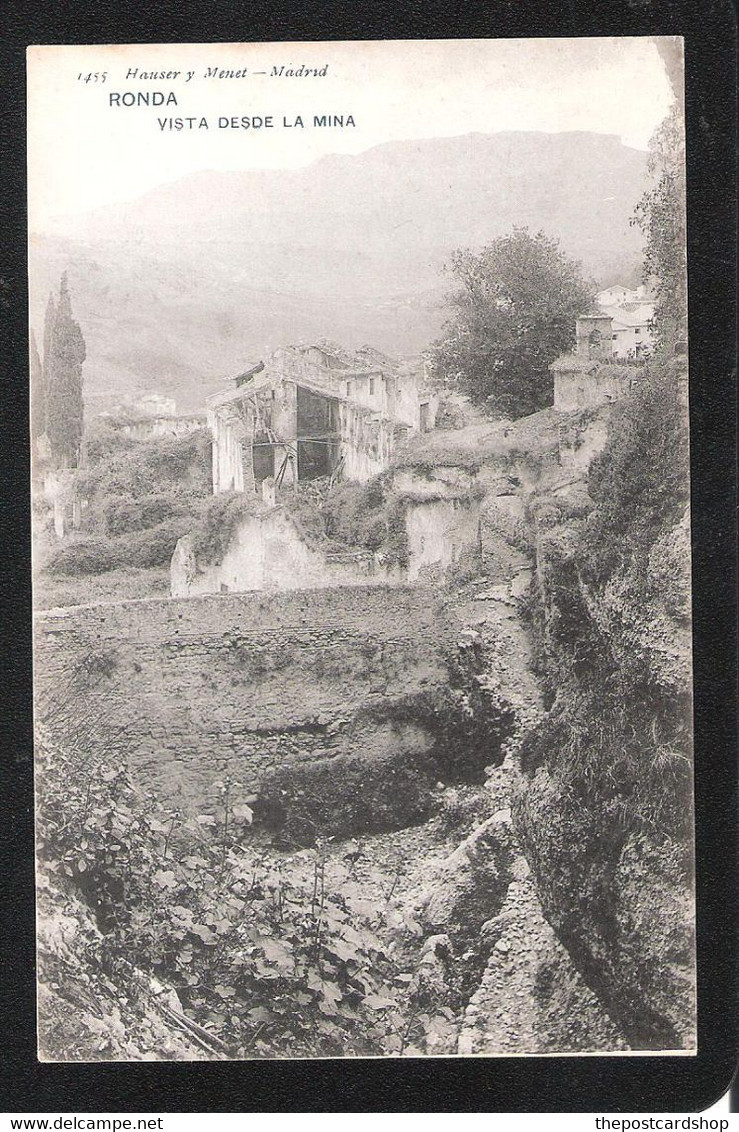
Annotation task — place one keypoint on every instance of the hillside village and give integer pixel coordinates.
(361, 531)
(322, 414)
(306, 651)
(314, 412)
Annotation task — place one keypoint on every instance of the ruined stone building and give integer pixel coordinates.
(591, 378)
(316, 410)
(592, 375)
(153, 416)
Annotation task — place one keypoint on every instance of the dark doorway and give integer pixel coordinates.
(263, 456)
(318, 434)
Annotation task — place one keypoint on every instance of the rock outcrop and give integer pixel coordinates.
(531, 998)
(603, 806)
(473, 881)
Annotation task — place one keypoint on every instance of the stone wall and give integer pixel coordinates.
(440, 532)
(268, 551)
(150, 428)
(189, 689)
(579, 385)
(366, 441)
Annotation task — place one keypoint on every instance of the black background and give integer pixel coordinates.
(626, 1084)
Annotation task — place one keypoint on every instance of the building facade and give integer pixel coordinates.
(592, 375)
(313, 411)
(631, 313)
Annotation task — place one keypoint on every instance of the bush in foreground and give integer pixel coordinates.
(270, 956)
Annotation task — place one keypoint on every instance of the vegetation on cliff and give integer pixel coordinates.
(599, 609)
(604, 808)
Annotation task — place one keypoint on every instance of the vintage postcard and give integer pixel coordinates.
(359, 415)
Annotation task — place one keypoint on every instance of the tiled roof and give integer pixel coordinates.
(269, 381)
(631, 315)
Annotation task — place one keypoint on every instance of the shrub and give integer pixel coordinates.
(370, 516)
(153, 547)
(269, 957)
(125, 468)
(141, 498)
(216, 524)
(138, 548)
(304, 505)
(103, 442)
(84, 556)
(360, 516)
(123, 514)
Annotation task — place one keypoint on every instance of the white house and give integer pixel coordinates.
(631, 335)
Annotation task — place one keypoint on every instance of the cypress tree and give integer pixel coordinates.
(49, 320)
(38, 393)
(64, 383)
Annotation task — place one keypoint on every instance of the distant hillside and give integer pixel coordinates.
(177, 290)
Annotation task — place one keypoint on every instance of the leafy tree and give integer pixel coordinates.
(38, 393)
(64, 383)
(514, 312)
(661, 216)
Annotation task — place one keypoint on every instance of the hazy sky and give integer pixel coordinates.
(84, 153)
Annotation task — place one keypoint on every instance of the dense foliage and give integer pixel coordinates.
(118, 464)
(367, 516)
(63, 374)
(218, 520)
(350, 516)
(140, 498)
(38, 393)
(370, 516)
(661, 216)
(268, 955)
(639, 482)
(514, 313)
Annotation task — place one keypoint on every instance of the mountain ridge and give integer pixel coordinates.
(351, 246)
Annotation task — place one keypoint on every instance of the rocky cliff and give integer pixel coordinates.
(603, 803)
